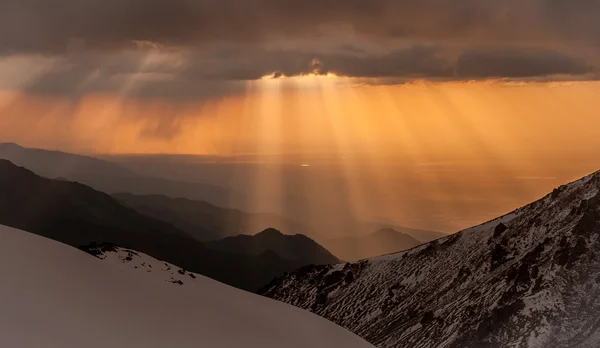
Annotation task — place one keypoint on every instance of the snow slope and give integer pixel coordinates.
(145, 265)
(52, 295)
(529, 279)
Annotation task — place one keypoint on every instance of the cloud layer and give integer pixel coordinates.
(39, 25)
(179, 46)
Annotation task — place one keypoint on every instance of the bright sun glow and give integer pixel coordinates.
(273, 76)
(300, 81)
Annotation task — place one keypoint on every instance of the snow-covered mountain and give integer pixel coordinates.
(146, 265)
(53, 295)
(529, 279)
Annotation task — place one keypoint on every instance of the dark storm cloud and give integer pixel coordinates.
(106, 45)
(53, 26)
(126, 75)
(415, 62)
(214, 73)
(42, 25)
(577, 20)
(518, 64)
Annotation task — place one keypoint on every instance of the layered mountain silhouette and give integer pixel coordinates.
(114, 178)
(383, 241)
(530, 278)
(422, 236)
(109, 177)
(297, 247)
(57, 164)
(78, 215)
(205, 221)
(202, 211)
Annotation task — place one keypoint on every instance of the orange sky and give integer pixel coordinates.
(420, 121)
(432, 155)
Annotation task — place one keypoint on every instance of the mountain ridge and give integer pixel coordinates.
(206, 221)
(54, 163)
(516, 281)
(296, 247)
(109, 177)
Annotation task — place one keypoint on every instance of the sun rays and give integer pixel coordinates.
(422, 153)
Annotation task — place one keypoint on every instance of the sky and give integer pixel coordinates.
(155, 75)
(506, 86)
(208, 49)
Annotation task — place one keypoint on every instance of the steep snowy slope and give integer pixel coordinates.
(142, 264)
(52, 295)
(528, 279)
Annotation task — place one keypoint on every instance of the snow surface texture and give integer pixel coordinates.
(147, 266)
(529, 279)
(52, 295)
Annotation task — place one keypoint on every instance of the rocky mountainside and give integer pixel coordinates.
(297, 247)
(529, 279)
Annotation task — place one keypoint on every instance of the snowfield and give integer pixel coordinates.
(53, 295)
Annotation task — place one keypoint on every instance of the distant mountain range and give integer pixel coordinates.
(297, 247)
(383, 241)
(422, 236)
(205, 221)
(53, 295)
(530, 279)
(79, 215)
(57, 164)
(109, 177)
(206, 212)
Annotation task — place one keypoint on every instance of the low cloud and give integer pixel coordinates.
(209, 74)
(511, 63)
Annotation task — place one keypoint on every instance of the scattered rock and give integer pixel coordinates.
(501, 228)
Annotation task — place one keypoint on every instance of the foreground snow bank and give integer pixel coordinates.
(52, 295)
